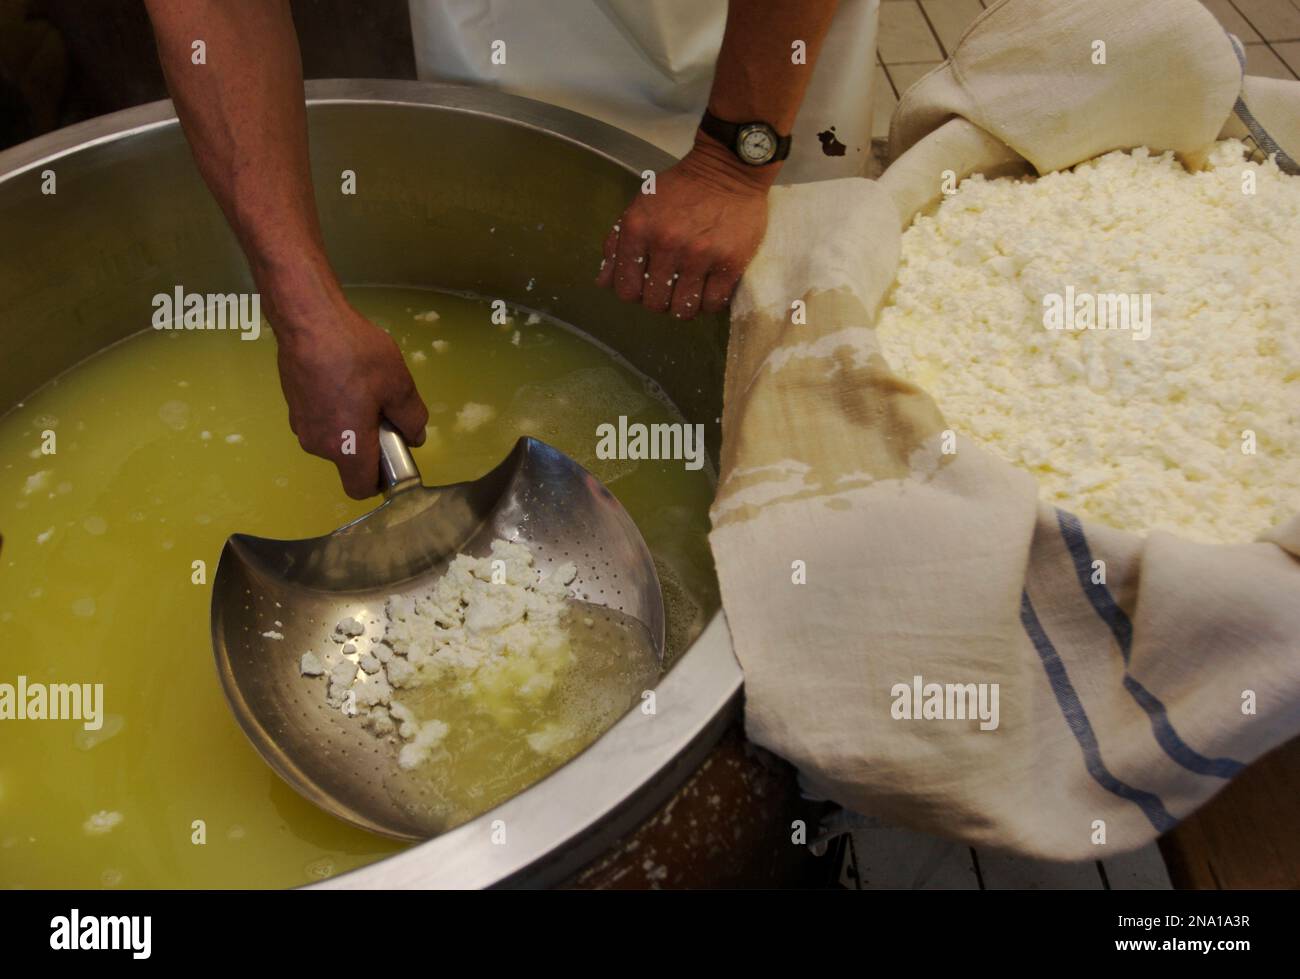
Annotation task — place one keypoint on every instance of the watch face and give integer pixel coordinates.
(756, 143)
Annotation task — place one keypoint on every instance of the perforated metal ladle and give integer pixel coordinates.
(273, 600)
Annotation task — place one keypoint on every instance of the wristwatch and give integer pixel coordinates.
(755, 143)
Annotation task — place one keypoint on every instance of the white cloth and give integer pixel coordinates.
(1123, 704)
(645, 66)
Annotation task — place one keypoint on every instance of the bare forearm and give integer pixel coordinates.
(757, 76)
(243, 113)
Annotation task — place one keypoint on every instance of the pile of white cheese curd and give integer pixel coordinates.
(1126, 331)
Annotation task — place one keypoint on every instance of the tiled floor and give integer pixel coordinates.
(917, 35)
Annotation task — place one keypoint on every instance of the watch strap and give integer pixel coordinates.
(726, 133)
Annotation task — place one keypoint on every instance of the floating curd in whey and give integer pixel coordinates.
(1126, 331)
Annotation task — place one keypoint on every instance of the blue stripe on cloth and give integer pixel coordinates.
(1077, 719)
(1121, 628)
(1266, 143)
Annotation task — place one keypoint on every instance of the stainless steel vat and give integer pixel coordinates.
(457, 188)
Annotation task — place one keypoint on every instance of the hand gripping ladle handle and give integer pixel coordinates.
(397, 469)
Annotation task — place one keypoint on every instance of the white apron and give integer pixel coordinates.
(645, 66)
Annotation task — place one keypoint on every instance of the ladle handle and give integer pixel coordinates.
(397, 469)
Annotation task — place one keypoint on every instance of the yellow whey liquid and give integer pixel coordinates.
(166, 444)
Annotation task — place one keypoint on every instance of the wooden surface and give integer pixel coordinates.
(1248, 836)
(890, 858)
(885, 858)
(728, 826)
